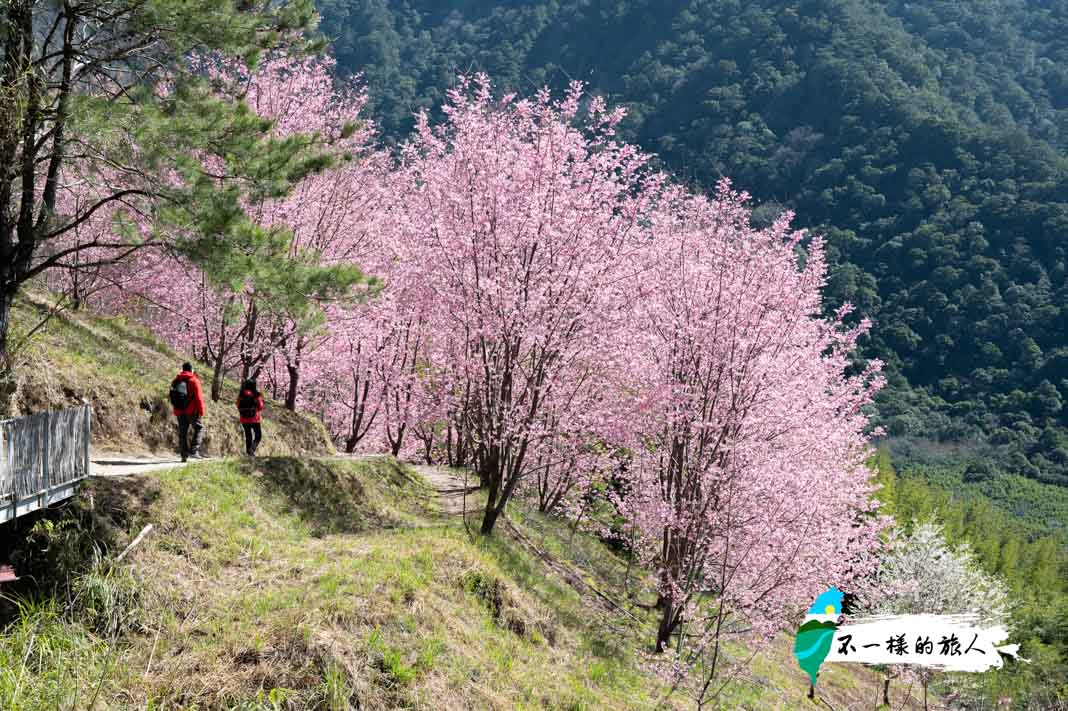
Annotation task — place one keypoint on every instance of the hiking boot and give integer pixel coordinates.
(197, 455)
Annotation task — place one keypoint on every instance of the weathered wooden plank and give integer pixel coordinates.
(42, 457)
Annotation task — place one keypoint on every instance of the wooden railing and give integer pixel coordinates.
(42, 457)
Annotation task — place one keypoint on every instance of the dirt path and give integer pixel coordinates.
(121, 465)
(447, 483)
(118, 464)
(450, 488)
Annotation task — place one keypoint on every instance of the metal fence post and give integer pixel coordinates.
(6, 468)
(85, 434)
(46, 455)
(11, 468)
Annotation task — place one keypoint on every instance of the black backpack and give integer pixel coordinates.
(246, 404)
(179, 394)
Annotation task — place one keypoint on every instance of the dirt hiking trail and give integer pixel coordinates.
(450, 487)
(121, 465)
(448, 484)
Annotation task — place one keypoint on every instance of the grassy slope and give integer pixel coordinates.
(335, 580)
(124, 371)
(322, 583)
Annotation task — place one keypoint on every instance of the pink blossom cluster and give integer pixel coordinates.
(232, 325)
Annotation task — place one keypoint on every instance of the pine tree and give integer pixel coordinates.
(117, 83)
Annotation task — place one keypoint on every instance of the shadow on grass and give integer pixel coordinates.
(533, 577)
(122, 503)
(51, 548)
(333, 497)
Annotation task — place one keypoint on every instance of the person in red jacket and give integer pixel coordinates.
(249, 406)
(187, 399)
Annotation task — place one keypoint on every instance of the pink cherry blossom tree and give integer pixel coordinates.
(268, 307)
(746, 478)
(331, 215)
(521, 216)
(325, 219)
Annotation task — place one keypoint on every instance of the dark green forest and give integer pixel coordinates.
(927, 142)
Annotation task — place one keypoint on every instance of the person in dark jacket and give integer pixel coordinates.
(249, 406)
(190, 414)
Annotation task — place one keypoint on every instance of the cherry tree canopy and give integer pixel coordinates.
(746, 432)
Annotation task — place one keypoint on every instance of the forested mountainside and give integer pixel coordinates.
(925, 140)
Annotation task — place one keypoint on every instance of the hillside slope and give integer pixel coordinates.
(306, 582)
(338, 584)
(124, 372)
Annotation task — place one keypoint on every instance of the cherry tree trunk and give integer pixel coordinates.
(294, 383)
(396, 443)
(889, 677)
(486, 471)
(667, 624)
(350, 443)
(489, 476)
(456, 448)
(428, 448)
(77, 291)
(217, 378)
(7, 375)
(493, 510)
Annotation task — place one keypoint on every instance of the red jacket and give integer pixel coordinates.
(196, 396)
(259, 406)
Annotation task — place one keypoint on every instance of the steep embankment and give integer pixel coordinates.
(124, 371)
(315, 584)
(338, 584)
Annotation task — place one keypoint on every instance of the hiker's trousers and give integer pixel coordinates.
(253, 435)
(185, 446)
